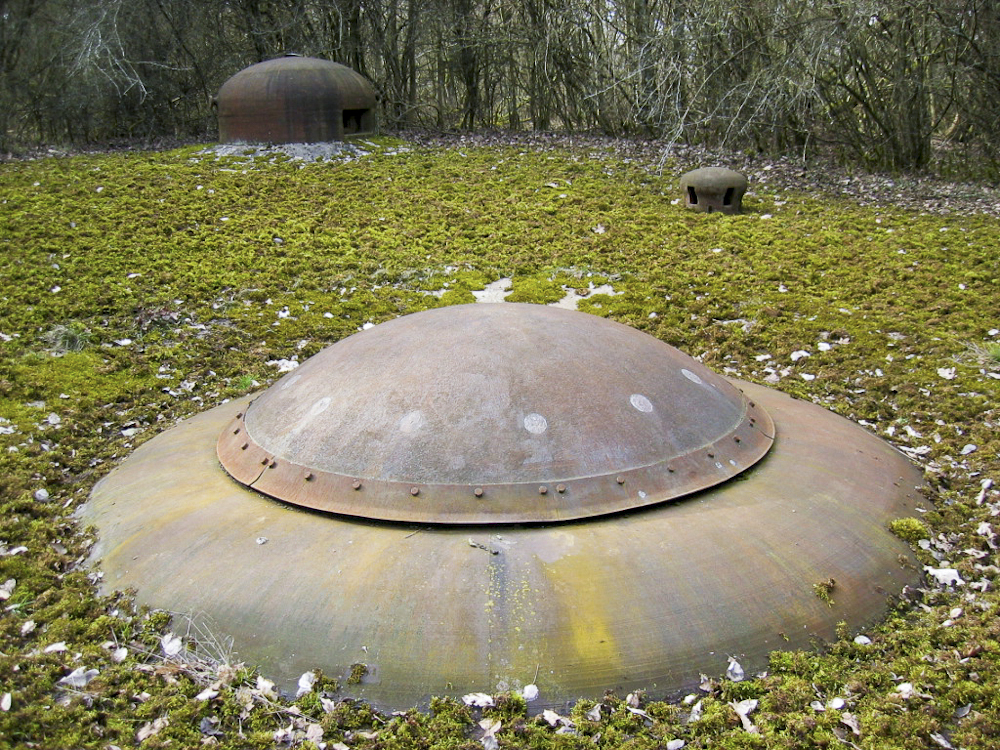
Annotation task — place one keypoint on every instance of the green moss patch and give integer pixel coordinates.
(141, 288)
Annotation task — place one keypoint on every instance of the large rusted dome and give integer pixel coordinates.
(671, 533)
(494, 414)
(295, 99)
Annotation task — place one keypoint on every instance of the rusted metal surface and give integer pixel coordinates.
(714, 189)
(501, 413)
(649, 598)
(295, 100)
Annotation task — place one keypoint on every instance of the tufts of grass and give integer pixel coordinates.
(63, 338)
(987, 355)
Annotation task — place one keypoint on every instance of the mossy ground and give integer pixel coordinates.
(138, 289)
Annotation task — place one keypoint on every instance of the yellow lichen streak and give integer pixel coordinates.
(586, 603)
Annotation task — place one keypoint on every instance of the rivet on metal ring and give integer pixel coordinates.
(560, 488)
(414, 491)
(478, 492)
(357, 484)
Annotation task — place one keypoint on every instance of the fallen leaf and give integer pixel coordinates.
(314, 734)
(207, 694)
(79, 677)
(209, 726)
(851, 722)
(479, 700)
(5, 702)
(283, 365)
(306, 682)
(743, 709)
(944, 576)
(285, 735)
(735, 670)
(171, 644)
(266, 687)
(554, 719)
(152, 728)
(551, 717)
(490, 726)
(985, 486)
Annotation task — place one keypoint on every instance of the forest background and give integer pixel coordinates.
(893, 85)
